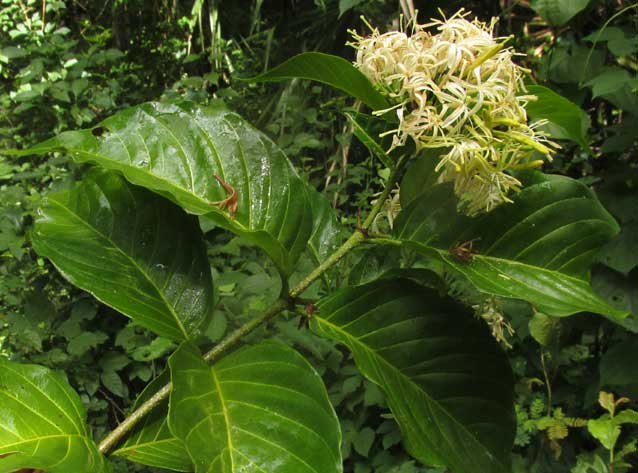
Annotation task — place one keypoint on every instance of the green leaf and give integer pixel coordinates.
(345, 5)
(154, 350)
(546, 331)
(327, 69)
(620, 291)
(421, 175)
(567, 120)
(558, 12)
(361, 126)
(538, 248)
(619, 254)
(176, 150)
(262, 408)
(627, 416)
(327, 233)
(43, 423)
(612, 80)
(132, 250)
(114, 361)
(13, 52)
(151, 442)
(363, 441)
(84, 342)
(605, 430)
(618, 42)
(618, 365)
(112, 381)
(590, 463)
(447, 382)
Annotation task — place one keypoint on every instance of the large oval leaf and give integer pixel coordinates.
(558, 12)
(327, 69)
(151, 442)
(43, 423)
(566, 119)
(209, 161)
(262, 408)
(447, 382)
(538, 248)
(133, 250)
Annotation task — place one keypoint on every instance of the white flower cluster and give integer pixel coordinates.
(456, 89)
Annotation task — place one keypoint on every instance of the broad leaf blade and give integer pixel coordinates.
(43, 423)
(152, 443)
(422, 175)
(262, 408)
(447, 382)
(558, 12)
(538, 248)
(566, 119)
(327, 69)
(177, 150)
(131, 249)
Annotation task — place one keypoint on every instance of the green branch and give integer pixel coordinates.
(358, 236)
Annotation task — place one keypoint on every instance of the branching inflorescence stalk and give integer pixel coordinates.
(357, 237)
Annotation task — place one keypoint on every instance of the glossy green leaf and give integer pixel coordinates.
(177, 150)
(43, 423)
(132, 250)
(566, 119)
(151, 442)
(262, 409)
(327, 69)
(446, 380)
(538, 248)
(327, 233)
(558, 12)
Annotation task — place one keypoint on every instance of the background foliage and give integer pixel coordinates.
(65, 65)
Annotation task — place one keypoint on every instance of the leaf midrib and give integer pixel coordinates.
(444, 254)
(407, 378)
(43, 437)
(26, 379)
(492, 259)
(222, 402)
(151, 443)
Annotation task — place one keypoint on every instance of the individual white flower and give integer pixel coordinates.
(454, 86)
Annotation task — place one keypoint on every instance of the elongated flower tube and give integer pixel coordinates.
(454, 86)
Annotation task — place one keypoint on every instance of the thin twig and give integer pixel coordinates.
(44, 14)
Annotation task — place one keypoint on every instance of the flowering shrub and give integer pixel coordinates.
(130, 235)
